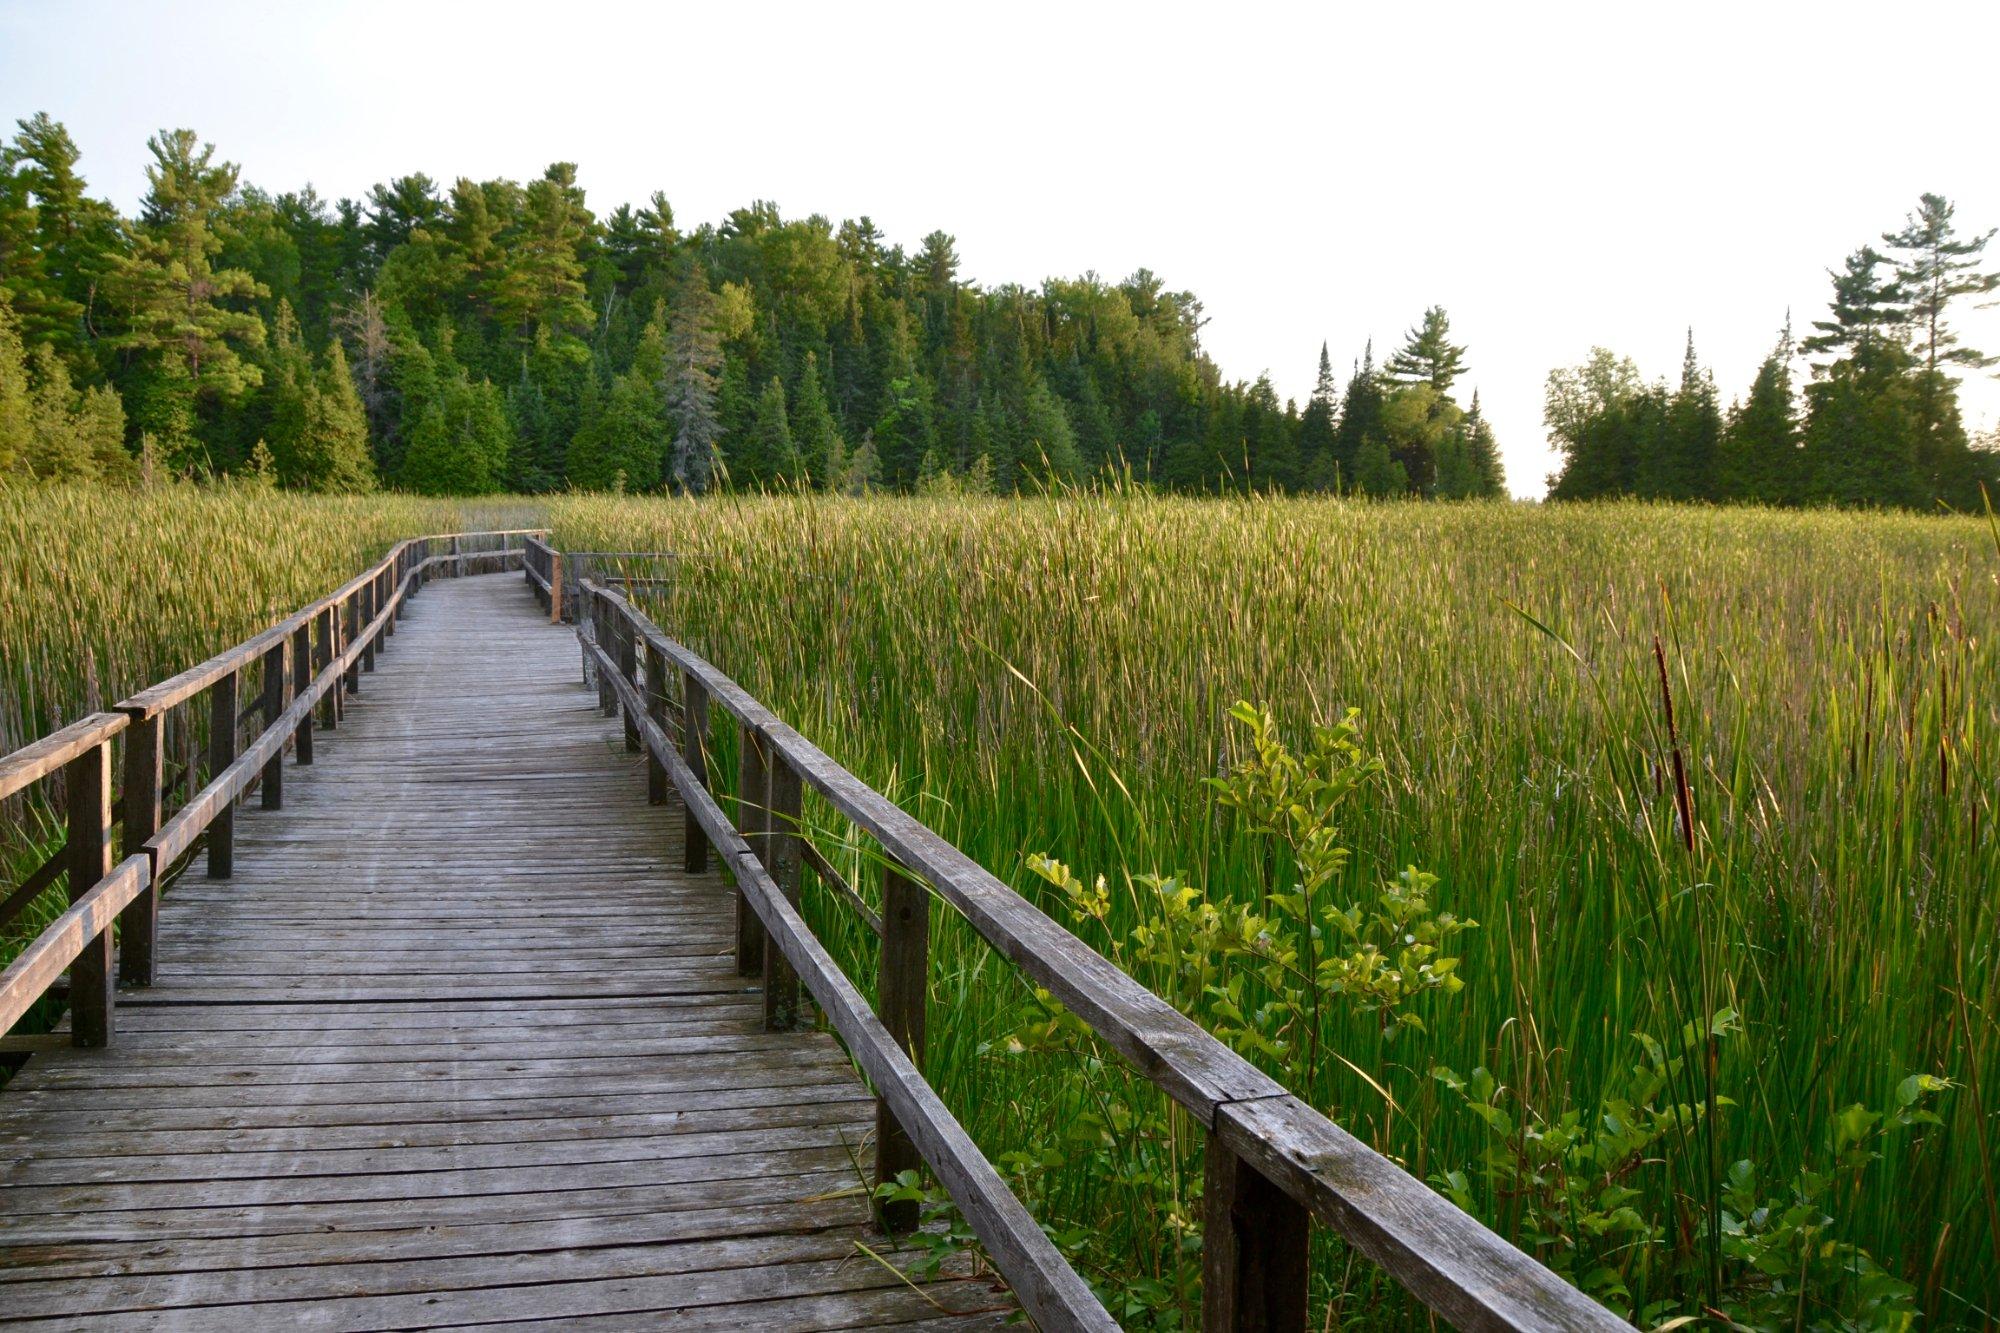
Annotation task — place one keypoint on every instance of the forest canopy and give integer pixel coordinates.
(500, 335)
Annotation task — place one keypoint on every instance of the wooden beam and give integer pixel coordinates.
(138, 925)
(222, 754)
(87, 779)
(902, 993)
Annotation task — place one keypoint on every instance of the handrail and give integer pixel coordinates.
(1271, 1158)
(305, 658)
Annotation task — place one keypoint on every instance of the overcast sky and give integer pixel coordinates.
(1556, 176)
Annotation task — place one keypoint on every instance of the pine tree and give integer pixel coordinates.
(620, 443)
(338, 425)
(1933, 268)
(1428, 355)
(1863, 309)
(180, 314)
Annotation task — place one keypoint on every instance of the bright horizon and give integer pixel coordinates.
(1578, 177)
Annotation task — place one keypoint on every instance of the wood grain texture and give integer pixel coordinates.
(460, 1041)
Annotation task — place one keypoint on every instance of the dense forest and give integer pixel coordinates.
(498, 336)
(1880, 425)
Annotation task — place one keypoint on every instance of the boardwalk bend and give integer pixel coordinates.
(478, 997)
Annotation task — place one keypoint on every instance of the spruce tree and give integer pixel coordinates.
(1483, 451)
(1761, 441)
(1689, 459)
(1316, 430)
(694, 362)
(1360, 417)
(813, 431)
(772, 457)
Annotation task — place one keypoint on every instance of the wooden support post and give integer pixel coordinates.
(302, 739)
(694, 749)
(347, 639)
(656, 708)
(752, 814)
(627, 658)
(1253, 1250)
(221, 754)
(364, 616)
(782, 1011)
(389, 581)
(329, 703)
(88, 780)
(606, 636)
(457, 562)
(902, 989)
(138, 924)
(555, 587)
(272, 784)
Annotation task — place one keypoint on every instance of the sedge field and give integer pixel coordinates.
(1661, 928)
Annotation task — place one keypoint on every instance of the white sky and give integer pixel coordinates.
(1555, 175)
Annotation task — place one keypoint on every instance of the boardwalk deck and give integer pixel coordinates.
(459, 1044)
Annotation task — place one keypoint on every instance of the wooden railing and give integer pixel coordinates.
(1273, 1163)
(297, 675)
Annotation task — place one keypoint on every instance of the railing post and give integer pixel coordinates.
(601, 632)
(347, 640)
(555, 586)
(627, 657)
(302, 739)
(273, 781)
(781, 984)
(329, 703)
(752, 820)
(138, 924)
(656, 708)
(457, 562)
(88, 780)
(694, 749)
(364, 599)
(902, 990)
(389, 581)
(1254, 1239)
(221, 754)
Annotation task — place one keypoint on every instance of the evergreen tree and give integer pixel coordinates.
(1317, 452)
(1761, 440)
(694, 360)
(1687, 462)
(771, 455)
(1428, 355)
(1376, 473)
(1360, 418)
(1483, 453)
(17, 421)
(176, 308)
(1863, 309)
(814, 435)
(621, 441)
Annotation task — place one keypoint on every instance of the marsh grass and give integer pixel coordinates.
(1053, 677)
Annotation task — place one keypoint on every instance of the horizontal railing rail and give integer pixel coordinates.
(304, 669)
(1273, 1163)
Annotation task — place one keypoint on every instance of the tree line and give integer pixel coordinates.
(499, 335)
(1879, 423)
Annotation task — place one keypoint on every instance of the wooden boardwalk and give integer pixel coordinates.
(459, 1044)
